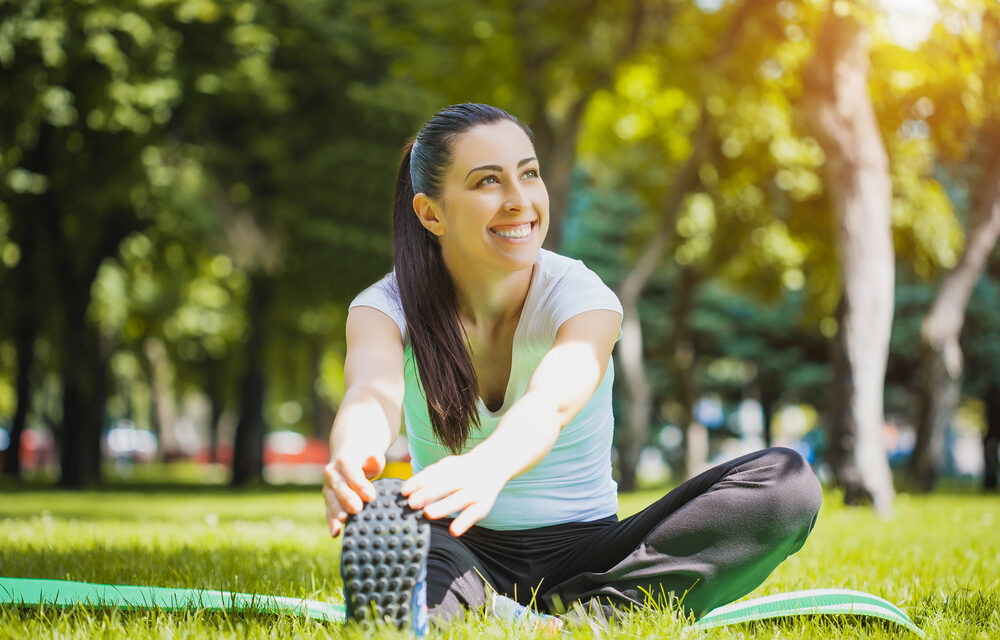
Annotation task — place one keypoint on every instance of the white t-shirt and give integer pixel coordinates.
(573, 482)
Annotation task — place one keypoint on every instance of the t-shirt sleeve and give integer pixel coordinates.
(579, 290)
(384, 296)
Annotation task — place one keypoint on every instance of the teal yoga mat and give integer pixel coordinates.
(32, 592)
(65, 593)
(808, 602)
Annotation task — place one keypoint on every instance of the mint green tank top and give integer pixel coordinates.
(573, 482)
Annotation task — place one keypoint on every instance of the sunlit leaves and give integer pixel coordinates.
(923, 218)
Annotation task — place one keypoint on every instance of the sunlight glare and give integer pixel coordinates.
(909, 22)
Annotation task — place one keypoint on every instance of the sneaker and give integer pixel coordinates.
(383, 561)
(526, 618)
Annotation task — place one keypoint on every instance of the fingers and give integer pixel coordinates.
(356, 481)
(335, 515)
(373, 465)
(447, 505)
(428, 495)
(338, 492)
(431, 484)
(473, 514)
(444, 488)
(347, 484)
(428, 475)
(412, 483)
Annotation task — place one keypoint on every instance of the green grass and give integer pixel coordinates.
(938, 557)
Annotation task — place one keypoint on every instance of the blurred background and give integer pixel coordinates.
(797, 202)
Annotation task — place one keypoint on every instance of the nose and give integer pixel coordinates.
(516, 199)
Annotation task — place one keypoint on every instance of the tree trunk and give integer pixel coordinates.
(991, 441)
(213, 389)
(630, 349)
(770, 393)
(248, 445)
(556, 148)
(842, 430)
(25, 344)
(556, 128)
(682, 363)
(638, 393)
(629, 353)
(322, 412)
(84, 372)
(838, 109)
(164, 403)
(75, 263)
(84, 378)
(942, 327)
(25, 333)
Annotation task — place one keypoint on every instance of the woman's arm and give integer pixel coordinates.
(368, 419)
(567, 376)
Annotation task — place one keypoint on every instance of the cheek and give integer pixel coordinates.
(468, 217)
(541, 196)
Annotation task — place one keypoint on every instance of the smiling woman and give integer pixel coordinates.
(497, 355)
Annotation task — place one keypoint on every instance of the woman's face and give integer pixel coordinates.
(493, 210)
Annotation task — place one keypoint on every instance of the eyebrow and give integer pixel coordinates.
(496, 167)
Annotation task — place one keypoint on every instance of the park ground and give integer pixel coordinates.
(937, 557)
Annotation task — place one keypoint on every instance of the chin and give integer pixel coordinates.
(524, 258)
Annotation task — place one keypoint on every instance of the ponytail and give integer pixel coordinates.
(429, 304)
(426, 290)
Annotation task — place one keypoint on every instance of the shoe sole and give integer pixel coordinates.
(385, 548)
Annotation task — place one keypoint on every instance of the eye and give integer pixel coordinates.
(531, 173)
(488, 180)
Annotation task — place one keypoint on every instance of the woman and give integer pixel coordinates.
(498, 355)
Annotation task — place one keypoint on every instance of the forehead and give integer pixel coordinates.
(503, 143)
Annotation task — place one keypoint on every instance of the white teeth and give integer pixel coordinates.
(517, 232)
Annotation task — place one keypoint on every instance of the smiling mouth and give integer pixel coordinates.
(513, 232)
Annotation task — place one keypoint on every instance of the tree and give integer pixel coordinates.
(981, 371)
(542, 60)
(306, 204)
(25, 310)
(839, 112)
(711, 155)
(87, 88)
(106, 111)
(942, 364)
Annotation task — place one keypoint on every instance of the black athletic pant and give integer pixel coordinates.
(711, 540)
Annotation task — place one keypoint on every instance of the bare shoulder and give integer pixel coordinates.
(599, 326)
(367, 324)
(374, 345)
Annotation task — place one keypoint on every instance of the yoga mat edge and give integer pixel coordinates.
(34, 592)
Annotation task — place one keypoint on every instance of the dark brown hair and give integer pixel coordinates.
(426, 290)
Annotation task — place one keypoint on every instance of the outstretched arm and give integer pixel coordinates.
(368, 419)
(567, 376)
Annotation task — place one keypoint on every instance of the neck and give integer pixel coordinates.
(487, 298)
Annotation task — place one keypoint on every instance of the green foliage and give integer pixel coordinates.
(534, 59)
(740, 343)
(169, 152)
(980, 345)
(753, 219)
(227, 139)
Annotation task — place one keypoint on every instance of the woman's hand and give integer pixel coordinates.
(347, 483)
(464, 483)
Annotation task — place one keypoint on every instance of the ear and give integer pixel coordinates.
(428, 213)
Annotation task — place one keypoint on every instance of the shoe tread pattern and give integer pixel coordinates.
(385, 547)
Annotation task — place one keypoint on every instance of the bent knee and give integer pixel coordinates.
(795, 494)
